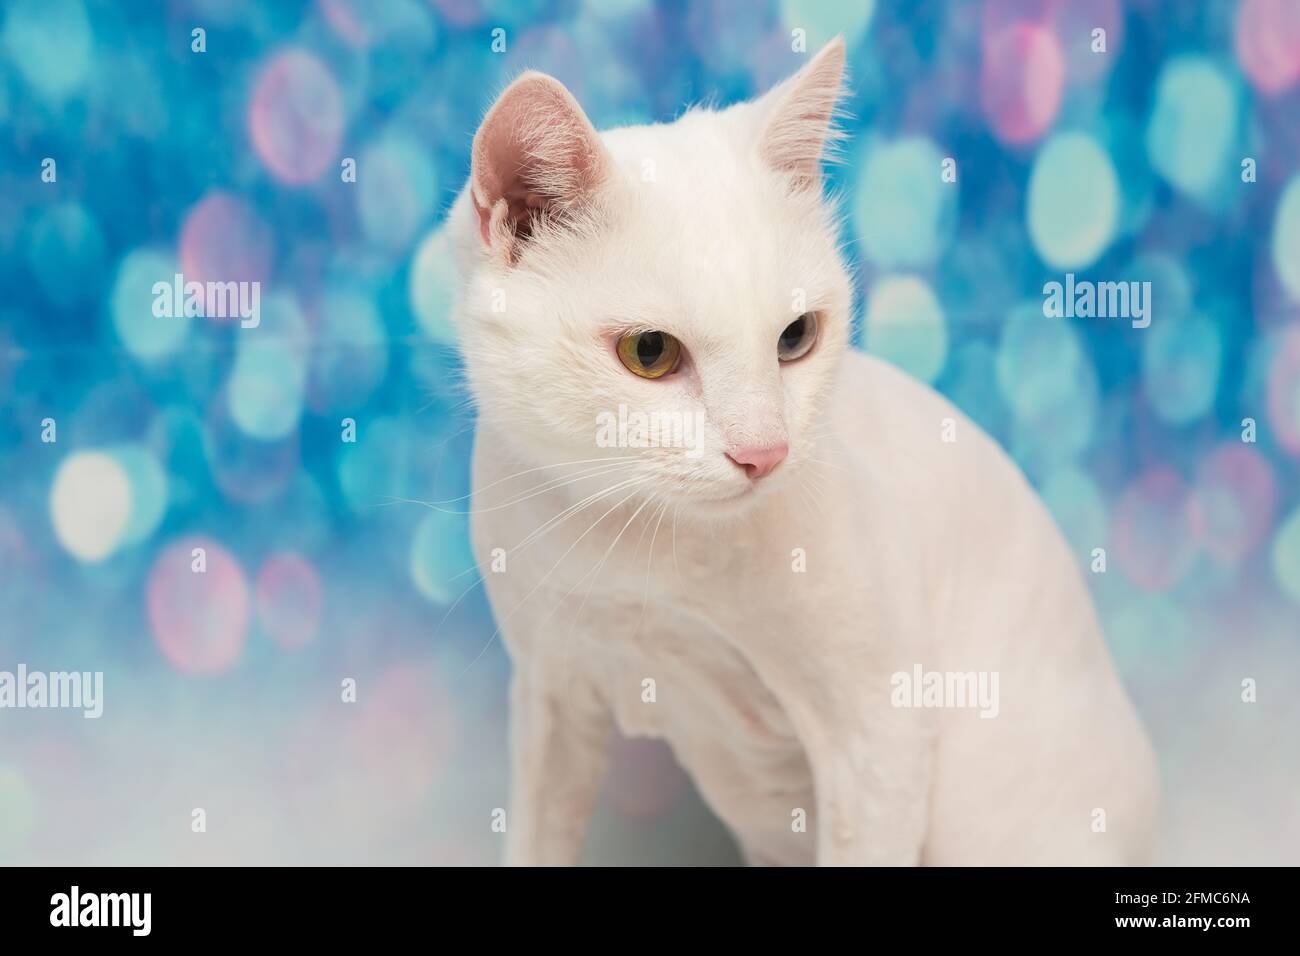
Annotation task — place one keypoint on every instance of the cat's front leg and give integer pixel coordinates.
(871, 762)
(559, 739)
(872, 774)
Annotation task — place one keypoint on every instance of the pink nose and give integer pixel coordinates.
(759, 462)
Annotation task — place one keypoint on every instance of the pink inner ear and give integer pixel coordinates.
(536, 151)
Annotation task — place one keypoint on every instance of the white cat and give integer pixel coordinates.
(760, 598)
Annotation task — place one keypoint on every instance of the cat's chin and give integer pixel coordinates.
(729, 505)
(741, 498)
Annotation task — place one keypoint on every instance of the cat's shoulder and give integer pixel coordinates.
(887, 414)
(886, 398)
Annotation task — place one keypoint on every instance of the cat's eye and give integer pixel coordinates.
(798, 338)
(649, 354)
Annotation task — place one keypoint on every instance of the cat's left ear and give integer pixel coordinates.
(797, 117)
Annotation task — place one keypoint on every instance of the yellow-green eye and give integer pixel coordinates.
(798, 338)
(649, 354)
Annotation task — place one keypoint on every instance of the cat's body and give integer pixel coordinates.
(757, 621)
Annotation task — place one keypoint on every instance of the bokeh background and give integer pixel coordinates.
(223, 690)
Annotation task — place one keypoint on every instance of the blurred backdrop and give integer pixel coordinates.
(133, 148)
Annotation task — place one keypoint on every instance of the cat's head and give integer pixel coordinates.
(676, 286)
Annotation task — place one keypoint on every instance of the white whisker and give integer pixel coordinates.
(529, 471)
(547, 575)
(564, 515)
(645, 593)
(597, 568)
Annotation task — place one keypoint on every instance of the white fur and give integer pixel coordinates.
(773, 687)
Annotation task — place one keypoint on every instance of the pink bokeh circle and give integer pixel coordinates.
(1022, 76)
(1151, 531)
(1232, 502)
(289, 600)
(224, 240)
(295, 117)
(199, 618)
(1267, 43)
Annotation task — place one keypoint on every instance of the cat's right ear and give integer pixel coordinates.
(799, 117)
(535, 155)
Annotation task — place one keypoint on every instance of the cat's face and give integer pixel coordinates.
(669, 299)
